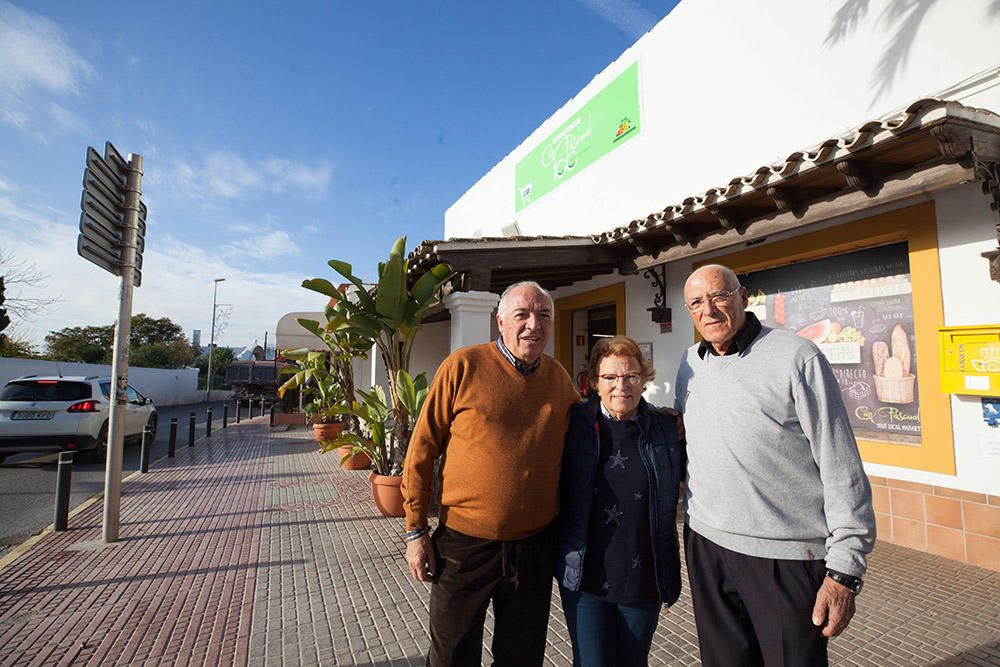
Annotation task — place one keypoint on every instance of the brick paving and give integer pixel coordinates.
(252, 548)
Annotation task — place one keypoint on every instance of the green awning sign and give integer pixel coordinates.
(607, 121)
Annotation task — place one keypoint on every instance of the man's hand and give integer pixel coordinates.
(679, 418)
(834, 607)
(420, 558)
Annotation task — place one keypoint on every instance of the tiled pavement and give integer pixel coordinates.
(254, 549)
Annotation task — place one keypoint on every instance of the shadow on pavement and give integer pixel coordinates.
(147, 577)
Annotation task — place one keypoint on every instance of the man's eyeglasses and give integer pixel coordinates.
(720, 298)
(612, 380)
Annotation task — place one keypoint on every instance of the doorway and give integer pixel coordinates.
(582, 320)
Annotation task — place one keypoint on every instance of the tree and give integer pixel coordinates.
(221, 357)
(15, 274)
(154, 343)
(89, 345)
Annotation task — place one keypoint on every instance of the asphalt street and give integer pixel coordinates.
(27, 481)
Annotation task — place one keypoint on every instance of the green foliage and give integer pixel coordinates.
(11, 347)
(153, 343)
(221, 357)
(391, 319)
(377, 421)
(319, 381)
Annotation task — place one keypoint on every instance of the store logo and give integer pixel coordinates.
(625, 127)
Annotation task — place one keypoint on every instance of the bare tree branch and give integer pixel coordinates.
(18, 274)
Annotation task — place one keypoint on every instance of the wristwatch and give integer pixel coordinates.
(854, 584)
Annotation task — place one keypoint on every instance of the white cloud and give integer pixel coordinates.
(35, 60)
(269, 246)
(6, 186)
(176, 281)
(66, 120)
(626, 15)
(226, 175)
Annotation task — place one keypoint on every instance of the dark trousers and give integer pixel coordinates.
(605, 633)
(516, 576)
(753, 611)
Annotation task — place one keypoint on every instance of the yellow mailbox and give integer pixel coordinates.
(970, 360)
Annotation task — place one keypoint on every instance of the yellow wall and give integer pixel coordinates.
(564, 317)
(916, 226)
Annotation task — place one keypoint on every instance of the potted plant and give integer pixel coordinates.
(323, 394)
(374, 442)
(391, 318)
(331, 376)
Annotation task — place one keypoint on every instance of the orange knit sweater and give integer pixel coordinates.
(501, 434)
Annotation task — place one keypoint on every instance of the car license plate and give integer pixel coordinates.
(32, 414)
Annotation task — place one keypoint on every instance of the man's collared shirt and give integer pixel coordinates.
(740, 342)
(522, 368)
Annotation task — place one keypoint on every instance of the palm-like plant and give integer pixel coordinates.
(391, 319)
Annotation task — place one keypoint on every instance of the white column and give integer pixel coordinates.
(471, 317)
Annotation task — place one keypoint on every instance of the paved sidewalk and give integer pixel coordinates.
(252, 548)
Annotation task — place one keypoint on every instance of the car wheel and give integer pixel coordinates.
(151, 427)
(99, 454)
(3, 457)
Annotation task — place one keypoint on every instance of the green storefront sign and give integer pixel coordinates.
(607, 121)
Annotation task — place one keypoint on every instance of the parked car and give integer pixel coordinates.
(54, 413)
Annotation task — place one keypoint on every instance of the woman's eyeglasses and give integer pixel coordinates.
(631, 380)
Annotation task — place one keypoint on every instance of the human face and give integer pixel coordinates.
(717, 323)
(526, 323)
(619, 398)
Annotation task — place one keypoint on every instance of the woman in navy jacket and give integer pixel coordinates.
(618, 558)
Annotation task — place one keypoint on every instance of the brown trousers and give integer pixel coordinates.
(516, 576)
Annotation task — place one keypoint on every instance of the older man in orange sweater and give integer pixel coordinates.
(496, 414)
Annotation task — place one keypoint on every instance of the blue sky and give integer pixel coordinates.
(275, 136)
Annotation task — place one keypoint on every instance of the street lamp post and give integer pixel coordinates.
(211, 344)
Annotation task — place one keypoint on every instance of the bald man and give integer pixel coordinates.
(779, 515)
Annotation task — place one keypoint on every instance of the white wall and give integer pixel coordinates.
(431, 346)
(165, 386)
(728, 85)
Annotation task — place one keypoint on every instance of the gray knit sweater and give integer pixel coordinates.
(773, 467)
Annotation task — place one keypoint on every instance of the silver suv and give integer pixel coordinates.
(53, 413)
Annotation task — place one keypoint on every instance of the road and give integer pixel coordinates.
(27, 481)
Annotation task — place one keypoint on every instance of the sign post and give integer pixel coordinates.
(112, 227)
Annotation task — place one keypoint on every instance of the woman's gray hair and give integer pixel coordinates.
(502, 308)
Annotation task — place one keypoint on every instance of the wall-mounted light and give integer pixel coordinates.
(659, 312)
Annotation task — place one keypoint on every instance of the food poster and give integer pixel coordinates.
(858, 308)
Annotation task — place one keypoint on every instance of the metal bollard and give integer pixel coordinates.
(208, 423)
(147, 444)
(225, 414)
(262, 407)
(172, 445)
(191, 431)
(238, 406)
(272, 415)
(64, 477)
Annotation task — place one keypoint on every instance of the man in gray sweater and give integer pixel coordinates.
(779, 515)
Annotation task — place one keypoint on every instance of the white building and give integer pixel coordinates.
(872, 220)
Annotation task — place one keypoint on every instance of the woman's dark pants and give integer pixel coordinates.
(605, 633)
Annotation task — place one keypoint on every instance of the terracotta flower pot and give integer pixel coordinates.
(327, 431)
(359, 461)
(387, 495)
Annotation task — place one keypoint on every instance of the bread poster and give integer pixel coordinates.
(858, 310)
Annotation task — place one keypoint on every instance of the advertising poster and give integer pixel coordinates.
(607, 121)
(858, 308)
